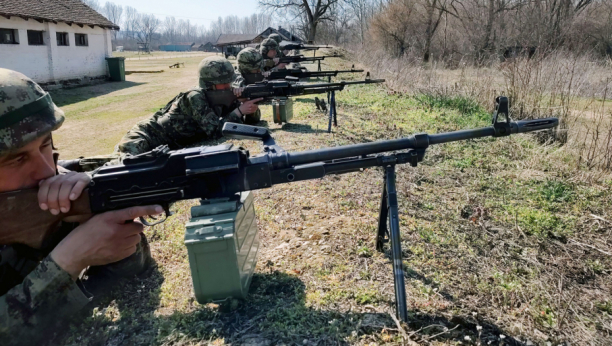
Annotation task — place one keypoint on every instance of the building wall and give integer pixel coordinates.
(51, 63)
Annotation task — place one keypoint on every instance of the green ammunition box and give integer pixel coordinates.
(282, 110)
(222, 242)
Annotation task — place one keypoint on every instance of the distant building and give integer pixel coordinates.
(284, 33)
(177, 47)
(205, 47)
(231, 44)
(55, 42)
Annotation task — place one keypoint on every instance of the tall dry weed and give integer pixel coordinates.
(549, 84)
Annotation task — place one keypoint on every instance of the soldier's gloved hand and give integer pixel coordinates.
(104, 239)
(55, 193)
(238, 91)
(266, 74)
(249, 107)
(276, 60)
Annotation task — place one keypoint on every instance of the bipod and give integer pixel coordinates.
(389, 211)
(332, 111)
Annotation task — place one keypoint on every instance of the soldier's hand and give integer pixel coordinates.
(238, 91)
(281, 66)
(250, 107)
(104, 239)
(276, 60)
(55, 193)
(266, 74)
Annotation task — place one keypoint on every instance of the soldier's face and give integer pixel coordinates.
(25, 167)
(271, 54)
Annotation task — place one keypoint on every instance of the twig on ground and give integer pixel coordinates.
(591, 246)
(443, 332)
(399, 327)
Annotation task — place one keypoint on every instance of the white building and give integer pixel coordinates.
(54, 42)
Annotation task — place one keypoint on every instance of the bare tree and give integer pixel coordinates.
(94, 4)
(146, 27)
(114, 13)
(394, 26)
(130, 21)
(312, 12)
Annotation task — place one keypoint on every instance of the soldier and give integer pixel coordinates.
(250, 64)
(192, 116)
(249, 71)
(269, 51)
(279, 39)
(41, 287)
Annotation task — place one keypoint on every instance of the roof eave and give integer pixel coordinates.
(55, 21)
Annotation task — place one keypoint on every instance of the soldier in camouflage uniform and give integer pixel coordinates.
(250, 64)
(192, 116)
(270, 51)
(40, 288)
(279, 39)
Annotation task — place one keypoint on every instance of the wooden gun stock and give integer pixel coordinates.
(23, 222)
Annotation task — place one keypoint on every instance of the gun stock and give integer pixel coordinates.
(23, 222)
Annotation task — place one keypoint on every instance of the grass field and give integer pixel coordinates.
(504, 242)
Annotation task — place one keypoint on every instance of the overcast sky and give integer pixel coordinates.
(197, 11)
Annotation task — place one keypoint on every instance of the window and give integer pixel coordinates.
(35, 38)
(8, 36)
(62, 38)
(80, 39)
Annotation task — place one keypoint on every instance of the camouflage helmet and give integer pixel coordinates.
(215, 70)
(268, 45)
(249, 59)
(26, 111)
(276, 37)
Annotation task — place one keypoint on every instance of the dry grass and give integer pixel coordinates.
(504, 242)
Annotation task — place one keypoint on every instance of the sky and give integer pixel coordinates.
(197, 11)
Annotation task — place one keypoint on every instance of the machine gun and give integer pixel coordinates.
(289, 45)
(287, 88)
(302, 73)
(301, 58)
(163, 177)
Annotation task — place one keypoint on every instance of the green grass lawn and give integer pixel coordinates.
(504, 242)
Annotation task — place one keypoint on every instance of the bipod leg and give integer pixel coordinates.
(333, 106)
(319, 61)
(331, 111)
(396, 245)
(383, 232)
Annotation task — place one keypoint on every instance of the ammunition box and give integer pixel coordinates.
(222, 241)
(282, 110)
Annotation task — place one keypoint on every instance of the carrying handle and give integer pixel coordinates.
(241, 131)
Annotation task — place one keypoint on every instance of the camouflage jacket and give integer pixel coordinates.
(37, 296)
(186, 120)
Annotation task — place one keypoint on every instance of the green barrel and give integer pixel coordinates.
(116, 68)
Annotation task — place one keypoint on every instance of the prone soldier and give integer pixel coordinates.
(270, 51)
(192, 116)
(41, 287)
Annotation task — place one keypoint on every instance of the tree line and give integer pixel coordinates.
(147, 28)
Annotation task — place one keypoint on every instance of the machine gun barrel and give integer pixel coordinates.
(418, 141)
(301, 58)
(285, 45)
